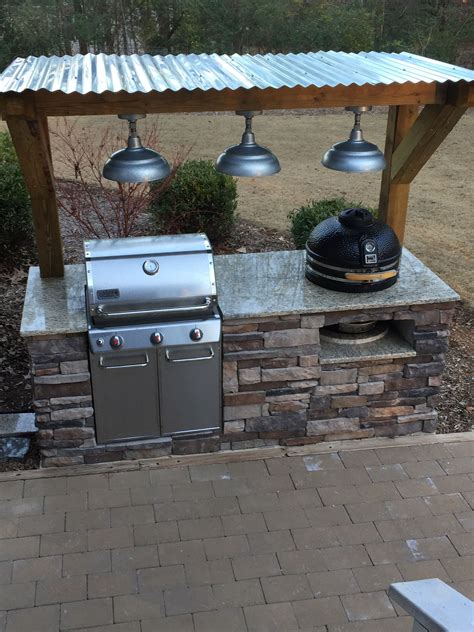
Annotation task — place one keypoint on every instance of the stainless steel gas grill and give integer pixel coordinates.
(154, 336)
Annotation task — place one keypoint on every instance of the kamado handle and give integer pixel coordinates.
(376, 276)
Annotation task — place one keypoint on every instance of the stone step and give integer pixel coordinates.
(17, 424)
(14, 448)
(16, 431)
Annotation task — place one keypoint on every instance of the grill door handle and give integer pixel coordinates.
(123, 366)
(170, 359)
(163, 311)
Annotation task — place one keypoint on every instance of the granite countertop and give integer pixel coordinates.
(249, 285)
(273, 283)
(55, 306)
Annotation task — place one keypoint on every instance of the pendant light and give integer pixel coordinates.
(355, 155)
(135, 163)
(248, 159)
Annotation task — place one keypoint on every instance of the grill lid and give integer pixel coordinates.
(146, 279)
(137, 246)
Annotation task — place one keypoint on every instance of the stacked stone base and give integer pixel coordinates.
(277, 390)
(65, 414)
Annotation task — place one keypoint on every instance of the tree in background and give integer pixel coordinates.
(427, 27)
(27, 28)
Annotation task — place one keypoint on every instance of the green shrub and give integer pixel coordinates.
(15, 208)
(306, 217)
(199, 199)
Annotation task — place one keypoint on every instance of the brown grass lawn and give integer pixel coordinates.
(440, 218)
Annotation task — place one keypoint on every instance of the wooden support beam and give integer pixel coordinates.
(425, 136)
(460, 94)
(470, 96)
(393, 203)
(60, 104)
(30, 138)
(43, 120)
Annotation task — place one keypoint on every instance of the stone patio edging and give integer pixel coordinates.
(252, 454)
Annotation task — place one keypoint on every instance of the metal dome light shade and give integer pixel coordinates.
(135, 163)
(355, 155)
(248, 159)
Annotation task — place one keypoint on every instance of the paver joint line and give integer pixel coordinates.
(283, 542)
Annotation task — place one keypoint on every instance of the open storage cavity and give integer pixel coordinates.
(362, 340)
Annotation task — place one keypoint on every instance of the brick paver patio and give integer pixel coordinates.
(290, 543)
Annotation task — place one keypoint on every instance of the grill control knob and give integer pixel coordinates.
(116, 342)
(156, 338)
(100, 342)
(196, 334)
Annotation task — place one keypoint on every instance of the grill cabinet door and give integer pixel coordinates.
(190, 388)
(125, 395)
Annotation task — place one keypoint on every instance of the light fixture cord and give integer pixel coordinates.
(248, 124)
(357, 117)
(132, 129)
(248, 137)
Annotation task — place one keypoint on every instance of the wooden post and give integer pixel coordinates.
(393, 204)
(43, 120)
(30, 138)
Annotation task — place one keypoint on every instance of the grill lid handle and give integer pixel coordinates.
(159, 311)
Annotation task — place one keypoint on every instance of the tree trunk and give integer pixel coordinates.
(79, 11)
(66, 42)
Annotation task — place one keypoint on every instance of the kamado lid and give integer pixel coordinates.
(353, 252)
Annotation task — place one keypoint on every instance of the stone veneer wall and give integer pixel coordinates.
(276, 391)
(63, 404)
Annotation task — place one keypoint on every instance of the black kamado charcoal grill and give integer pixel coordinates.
(353, 252)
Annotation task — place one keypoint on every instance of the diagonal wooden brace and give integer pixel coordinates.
(425, 136)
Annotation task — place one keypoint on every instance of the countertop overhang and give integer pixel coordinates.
(249, 285)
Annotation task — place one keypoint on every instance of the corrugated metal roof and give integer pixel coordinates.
(145, 73)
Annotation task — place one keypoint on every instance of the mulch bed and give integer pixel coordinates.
(15, 387)
(455, 407)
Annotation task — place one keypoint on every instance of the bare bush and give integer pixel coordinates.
(98, 207)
